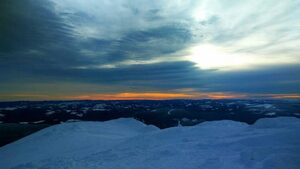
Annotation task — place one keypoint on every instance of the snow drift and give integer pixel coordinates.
(129, 144)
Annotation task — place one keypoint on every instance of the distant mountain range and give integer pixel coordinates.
(163, 114)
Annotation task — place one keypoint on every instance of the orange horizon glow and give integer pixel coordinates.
(286, 96)
(146, 96)
(132, 96)
(156, 96)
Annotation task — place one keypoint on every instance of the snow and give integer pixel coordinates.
(100, 107)
(266, 106)
(169, 112)
(9, 108)
(79, 115)
(50, 113)
(73, 113)
(37, 122)
(272, 143)
(72, 120)
(271, 114)
(23, 122)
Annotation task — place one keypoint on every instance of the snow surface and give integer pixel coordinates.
(50, 113)
(272, 143)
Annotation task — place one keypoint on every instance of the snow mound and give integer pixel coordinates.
(128, 144)
(70, 140)
(282, 122)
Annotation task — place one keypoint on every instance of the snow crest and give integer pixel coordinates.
(128, 144)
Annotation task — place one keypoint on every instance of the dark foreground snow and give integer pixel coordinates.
(129, 144)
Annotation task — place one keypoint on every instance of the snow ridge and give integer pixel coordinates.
(129, 144)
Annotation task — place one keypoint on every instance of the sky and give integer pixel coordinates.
(140, 49)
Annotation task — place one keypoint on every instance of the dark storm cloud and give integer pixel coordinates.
(139, 45)
(40, 47)
(167, 75)
(270, 79)
(32, 36)
(29, 24)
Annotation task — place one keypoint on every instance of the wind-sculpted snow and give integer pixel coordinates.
(128, 144)
(70, 140)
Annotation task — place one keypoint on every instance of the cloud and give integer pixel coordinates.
(280, 79)
(139, 45)
(29, 25)
(113, 19)
(256, 34)
(83, 47)
(140, 77)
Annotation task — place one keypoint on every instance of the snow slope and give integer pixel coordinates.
(129, 144)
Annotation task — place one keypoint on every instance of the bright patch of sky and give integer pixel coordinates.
(227, 35)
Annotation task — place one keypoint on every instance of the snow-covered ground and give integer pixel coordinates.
(128, 144)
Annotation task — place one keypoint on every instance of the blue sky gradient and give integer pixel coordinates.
(53, 49)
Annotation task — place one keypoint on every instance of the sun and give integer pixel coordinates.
(209, 56)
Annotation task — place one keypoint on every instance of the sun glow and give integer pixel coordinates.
(212, 57)
(208, 56)
(157, 96)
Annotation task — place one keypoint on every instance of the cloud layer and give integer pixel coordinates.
(74, 47)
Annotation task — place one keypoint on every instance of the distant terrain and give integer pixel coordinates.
(13, 131)
(19, 119)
